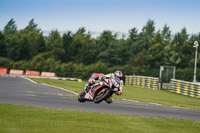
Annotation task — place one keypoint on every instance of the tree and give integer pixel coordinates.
(67, 40)
(3, 52)
(142, 42)
(166, 36)
(155, 52)
(108, 48)
(158, 52)
(10, 40)
(130, 49)
(76, 44)
(124, 51)
(54, 40)
(24, 49)
(82, 48)
(139, 60)
(34, 38)
(55, 45)
(10, 28)
(180, 50)
(110, 56)
(13, 46)
(133, 36)
(31, 26)
(146, 35)
(88, 53)
(106, 38)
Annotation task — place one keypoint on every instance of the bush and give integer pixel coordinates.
(5, 62)
(98, 67)
(23, 65)
(44, 62)
(185, 74)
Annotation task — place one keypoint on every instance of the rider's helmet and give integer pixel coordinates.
(119, 74)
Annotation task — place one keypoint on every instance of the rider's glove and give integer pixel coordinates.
(118, 93)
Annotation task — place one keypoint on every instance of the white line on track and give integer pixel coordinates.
(53, 86)
(31, 81)
(60, 88)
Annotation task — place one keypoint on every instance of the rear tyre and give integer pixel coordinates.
(100, 97)
(81, 97)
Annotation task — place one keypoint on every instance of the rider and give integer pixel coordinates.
(116, 74)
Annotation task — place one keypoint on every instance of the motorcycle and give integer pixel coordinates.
(100, 91)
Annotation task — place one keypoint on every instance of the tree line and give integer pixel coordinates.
(79, 54)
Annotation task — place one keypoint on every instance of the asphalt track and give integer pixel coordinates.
(20, 91)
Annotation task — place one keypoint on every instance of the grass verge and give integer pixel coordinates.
(69, 85)
(23, 119)
(160, 96)
(134, 93)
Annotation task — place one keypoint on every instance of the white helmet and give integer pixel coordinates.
(118, 74)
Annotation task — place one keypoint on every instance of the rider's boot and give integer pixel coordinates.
(110, 99)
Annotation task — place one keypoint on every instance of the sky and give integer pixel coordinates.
(100, 15)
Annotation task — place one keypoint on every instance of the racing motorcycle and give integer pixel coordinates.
(100, 91)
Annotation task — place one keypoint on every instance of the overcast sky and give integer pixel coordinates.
(100, 15)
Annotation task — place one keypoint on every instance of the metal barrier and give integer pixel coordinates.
(142, 81)
(185, 88)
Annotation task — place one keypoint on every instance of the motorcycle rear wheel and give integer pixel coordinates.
(99, 99)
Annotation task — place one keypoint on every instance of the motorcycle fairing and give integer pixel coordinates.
(90, 95)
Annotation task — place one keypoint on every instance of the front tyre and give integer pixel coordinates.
(101, 96)
(81, 97)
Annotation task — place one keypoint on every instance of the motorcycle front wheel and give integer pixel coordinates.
(81, 97)
(101, 96)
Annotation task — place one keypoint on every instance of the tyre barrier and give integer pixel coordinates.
(3, 70)
(32, 73)
(185, 88)
(142, 81)
(48, 74)
(16, 72)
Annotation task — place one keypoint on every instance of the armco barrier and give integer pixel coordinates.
(48, 74)
(3, 70)
(142, 81)
(16, 72)
(32, 73)
(185, 88)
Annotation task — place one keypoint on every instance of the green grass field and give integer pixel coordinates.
(134, 93)
(24, 119)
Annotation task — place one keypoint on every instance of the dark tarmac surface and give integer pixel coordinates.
(20, 91)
